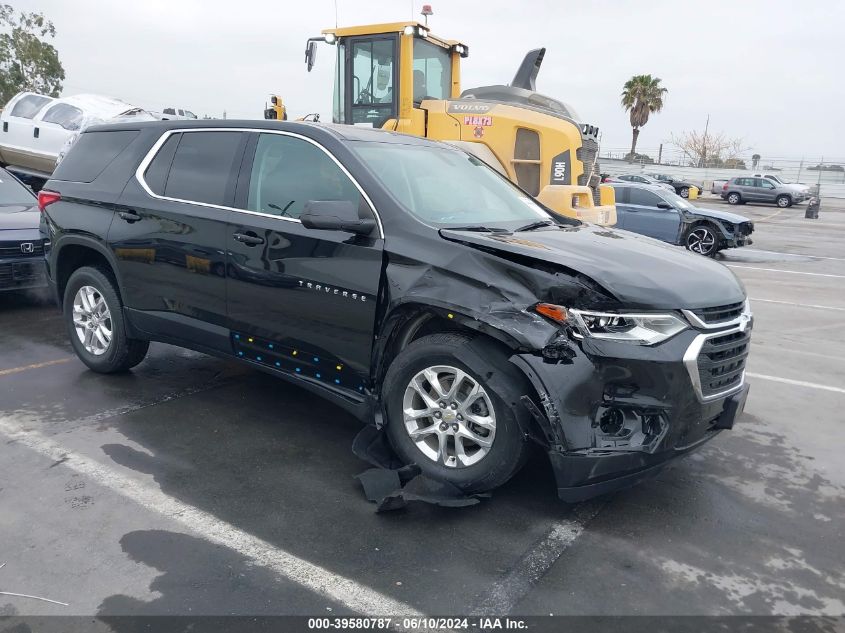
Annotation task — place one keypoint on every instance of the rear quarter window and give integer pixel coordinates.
(91, 154)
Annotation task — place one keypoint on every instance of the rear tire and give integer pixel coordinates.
(93, 314)
(783, 201)
(490, 416)
(734, 198)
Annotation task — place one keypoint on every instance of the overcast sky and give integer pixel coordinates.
(769, 71)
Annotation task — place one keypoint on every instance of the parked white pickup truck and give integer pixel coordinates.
(35, 128)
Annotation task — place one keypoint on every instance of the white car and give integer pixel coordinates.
(802, 191)
(176, 114)
(35, 129)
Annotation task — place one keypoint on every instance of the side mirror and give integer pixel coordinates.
(664, 205)
(310, 54)
(335, 215)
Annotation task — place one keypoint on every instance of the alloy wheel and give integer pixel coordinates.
(92, 320)
(449, 416)
(701, 241)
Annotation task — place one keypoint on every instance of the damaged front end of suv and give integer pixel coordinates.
(628, 353)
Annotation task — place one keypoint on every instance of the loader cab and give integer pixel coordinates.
(383, 72)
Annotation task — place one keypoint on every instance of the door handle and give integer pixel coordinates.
(250, 239)
(35, 132)
(129, 216)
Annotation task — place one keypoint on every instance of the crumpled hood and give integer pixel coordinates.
(640, 272)
(19, 217)
(720, 215)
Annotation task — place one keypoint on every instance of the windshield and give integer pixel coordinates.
(13, 193)
(676, 201)
(449, 188)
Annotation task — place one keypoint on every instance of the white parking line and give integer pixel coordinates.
(797, 383)
(321, 581)
(793, 272)
(506, 593)
(755, 250)
(799, 305)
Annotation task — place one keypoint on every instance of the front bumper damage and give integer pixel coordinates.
(615, 413)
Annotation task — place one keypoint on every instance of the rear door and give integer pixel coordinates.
(52, 128)
(647, 218)
(300, 300)
(170, 236)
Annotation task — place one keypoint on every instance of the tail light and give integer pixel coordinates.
(725, 187)
(46, 198)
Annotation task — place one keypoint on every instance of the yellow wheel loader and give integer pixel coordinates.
(401, 77)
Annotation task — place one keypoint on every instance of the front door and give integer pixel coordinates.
(372, 80)
(169, 237)
(300, 300)
(644, 216)
(766, 189)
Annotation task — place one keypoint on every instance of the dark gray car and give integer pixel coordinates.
(746, 189)
(651, 210)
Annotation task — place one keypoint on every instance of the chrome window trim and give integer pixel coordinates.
(145, 163)
(691, 363)
(744, 317)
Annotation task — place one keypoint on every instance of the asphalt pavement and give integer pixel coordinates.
(197, 486)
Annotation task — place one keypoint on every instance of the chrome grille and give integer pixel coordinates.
(13, 249)
(720, 313)
(721, 362)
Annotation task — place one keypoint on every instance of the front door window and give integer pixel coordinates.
(373, 72)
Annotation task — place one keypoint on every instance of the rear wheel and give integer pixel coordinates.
(93, 314)
(734, 198)
(444, 416)
(784, 201)
(702, 239)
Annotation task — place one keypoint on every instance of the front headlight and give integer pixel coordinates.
(639, 329)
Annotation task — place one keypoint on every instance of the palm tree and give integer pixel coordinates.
(642, 95)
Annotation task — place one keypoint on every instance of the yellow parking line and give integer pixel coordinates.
(17, 370)
(769, 217)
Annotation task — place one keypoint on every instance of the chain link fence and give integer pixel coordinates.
(827, 174)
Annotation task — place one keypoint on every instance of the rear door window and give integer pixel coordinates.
(29, 106)
(65, 115)
(91, 154)
(203, 167)
(288, 172)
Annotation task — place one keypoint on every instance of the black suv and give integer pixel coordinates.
(404, 280)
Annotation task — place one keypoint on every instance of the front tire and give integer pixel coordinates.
(93, 314)
(734, 198)
(784, 201)
(444, 415)
(684, 192)
(701, 240)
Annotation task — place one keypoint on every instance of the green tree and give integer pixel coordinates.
(27, 60)
(641, 96)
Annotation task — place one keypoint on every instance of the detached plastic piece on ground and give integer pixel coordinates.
(391, 485)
